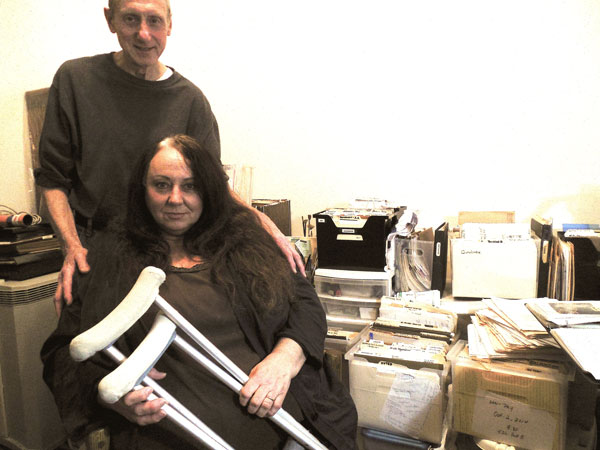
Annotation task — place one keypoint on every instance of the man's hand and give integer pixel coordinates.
(75, 259)
(75, 254)
(294, 259)
(270, 379)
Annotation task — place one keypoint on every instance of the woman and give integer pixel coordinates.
(230, 280)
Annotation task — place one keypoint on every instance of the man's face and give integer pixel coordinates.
(142, 27)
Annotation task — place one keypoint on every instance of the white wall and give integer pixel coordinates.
(442, 106)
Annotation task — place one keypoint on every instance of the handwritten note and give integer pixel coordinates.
(410, 399)
(509, 421)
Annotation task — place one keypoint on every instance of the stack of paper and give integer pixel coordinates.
(561, 283)
(575, 326)
(417, 318)
(507, 329)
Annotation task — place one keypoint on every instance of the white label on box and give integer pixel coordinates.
(410, 398)
(509, 421)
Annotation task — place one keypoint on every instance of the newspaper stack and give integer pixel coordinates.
(506, 329)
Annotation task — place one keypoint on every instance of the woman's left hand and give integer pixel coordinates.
(270, 379)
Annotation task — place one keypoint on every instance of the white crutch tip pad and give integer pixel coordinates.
(130, 373)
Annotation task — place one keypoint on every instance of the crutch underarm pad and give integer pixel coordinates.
(130, 373)
(132, 307)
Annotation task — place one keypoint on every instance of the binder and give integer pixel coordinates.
(440, 258)
(586, 266)
(29, 265)
(21, 246)
(542, 228)
(561, 279)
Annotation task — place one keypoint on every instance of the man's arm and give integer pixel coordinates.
(284, 244)
(75, 253)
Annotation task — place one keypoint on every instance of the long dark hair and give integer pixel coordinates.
(228, 236)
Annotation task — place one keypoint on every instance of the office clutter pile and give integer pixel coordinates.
(395, 340)
(28, 248)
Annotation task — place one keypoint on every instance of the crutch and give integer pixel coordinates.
(160, 332)
(135, 304)
(116, 384)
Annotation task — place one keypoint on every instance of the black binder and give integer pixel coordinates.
(440, 258)
(587, 267)
(542, 228)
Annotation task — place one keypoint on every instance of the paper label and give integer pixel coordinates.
(410, 398)
(509, 421)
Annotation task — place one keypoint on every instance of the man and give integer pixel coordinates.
(102, 110)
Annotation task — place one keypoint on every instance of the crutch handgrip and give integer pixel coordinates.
(132, 307)
(133, 370)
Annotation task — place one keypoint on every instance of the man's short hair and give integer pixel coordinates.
(114, 4)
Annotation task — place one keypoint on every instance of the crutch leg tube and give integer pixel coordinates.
(178, 413)
(282, 418)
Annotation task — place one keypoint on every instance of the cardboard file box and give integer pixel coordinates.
(495, 269)
(354, 239)
(406, 397)
(397, 399)
(342, 335)
(518, 403)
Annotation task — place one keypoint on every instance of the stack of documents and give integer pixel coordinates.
(507, 329)
(413, 351)
(561, 278)
(575, 326)
(423, 320)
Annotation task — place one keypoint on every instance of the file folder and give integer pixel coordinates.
(542, 228)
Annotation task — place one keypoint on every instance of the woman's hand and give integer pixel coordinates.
(136, 408)
(270, 379)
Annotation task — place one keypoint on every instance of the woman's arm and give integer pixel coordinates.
(306, 323)
(270, 379)
(301, 340)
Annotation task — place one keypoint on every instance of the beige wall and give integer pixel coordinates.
(441, 106)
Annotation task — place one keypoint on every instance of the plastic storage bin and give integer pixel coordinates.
(353, 295)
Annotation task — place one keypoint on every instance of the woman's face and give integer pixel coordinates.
(171, 194)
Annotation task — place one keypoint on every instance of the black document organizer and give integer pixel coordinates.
(354, 248)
